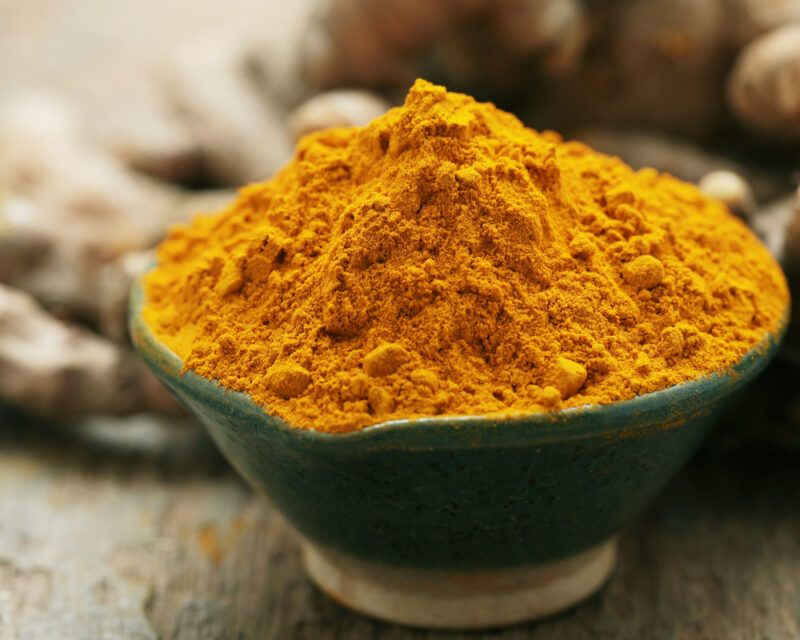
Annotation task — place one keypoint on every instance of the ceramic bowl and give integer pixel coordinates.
(465, 522)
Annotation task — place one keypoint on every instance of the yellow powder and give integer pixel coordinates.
(444, 259)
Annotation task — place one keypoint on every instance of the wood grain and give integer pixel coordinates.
(116, 530)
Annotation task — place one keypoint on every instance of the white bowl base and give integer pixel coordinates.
(460, 600)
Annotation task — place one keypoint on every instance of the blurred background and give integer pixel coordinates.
(119, 119)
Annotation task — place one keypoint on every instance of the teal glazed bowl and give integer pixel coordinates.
(461, 522)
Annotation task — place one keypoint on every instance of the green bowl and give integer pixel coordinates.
(468, 521)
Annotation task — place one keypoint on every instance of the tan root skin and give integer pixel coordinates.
(63, 371)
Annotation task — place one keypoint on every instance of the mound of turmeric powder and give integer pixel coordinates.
(447, 260)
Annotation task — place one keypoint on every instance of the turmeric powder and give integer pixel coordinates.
(445, 260)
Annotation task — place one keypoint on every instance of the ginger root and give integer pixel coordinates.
(732, 189)
(385, 44)
(75, 224)
(791, 245)
(638, 53)
(241, 136)
(63, 371)
(67, 207)
(764, 86)
(341, 108)
(747, 19)
(772, 223)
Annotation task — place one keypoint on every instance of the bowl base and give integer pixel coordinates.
(460, 600)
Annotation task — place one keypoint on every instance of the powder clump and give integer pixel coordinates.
(644, 272)
(444, 259)
(288, 380)
(567, 376)
(385, 359)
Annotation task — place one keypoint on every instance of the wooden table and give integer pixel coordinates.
(131, 530)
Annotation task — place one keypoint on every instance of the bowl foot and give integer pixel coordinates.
(460, 600)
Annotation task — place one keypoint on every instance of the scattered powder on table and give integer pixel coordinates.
(445, 260)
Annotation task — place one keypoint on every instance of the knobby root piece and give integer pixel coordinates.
(791, 249)
(772, 224)
(56, 259)
(60, 371)
(559, 28)
(241, 135)
(791, 264)
(162, 151)
(141, 132)
(274, 64)
(340, 108)
(67, 207)
(764, 86)
(732, 189)
(639, 51)
(46, 158)
(369, 42)
(375, 43)
(747, 19)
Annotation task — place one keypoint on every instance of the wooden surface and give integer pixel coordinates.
(117, 530)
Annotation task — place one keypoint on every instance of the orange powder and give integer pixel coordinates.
(445, 259)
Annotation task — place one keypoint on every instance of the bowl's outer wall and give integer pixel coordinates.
(474, 493)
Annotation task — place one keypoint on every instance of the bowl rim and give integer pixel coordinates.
(663, 409)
